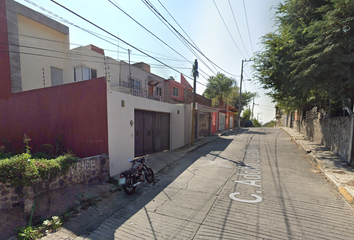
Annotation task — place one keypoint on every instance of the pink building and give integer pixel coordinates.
(178, 92)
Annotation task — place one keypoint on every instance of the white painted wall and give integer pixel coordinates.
(121, 133)
(187, 123)
(141, 76)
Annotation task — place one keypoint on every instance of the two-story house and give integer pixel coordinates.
(178, 92)
(136, 79)
(40, 52)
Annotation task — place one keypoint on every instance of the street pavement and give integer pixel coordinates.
(248, 184)
(334, 168)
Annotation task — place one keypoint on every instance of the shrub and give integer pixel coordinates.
(22, 170)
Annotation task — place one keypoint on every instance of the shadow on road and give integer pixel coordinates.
(119, 208)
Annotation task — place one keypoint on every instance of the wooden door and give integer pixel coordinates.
(148, 129)
(157, 132)
(139, 132)
(152, 132)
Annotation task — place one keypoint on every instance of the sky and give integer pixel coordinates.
(224, 31)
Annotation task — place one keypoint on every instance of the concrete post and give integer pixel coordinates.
(351, 143)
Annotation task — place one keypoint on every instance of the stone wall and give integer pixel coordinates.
(85, 172)
(332, 132)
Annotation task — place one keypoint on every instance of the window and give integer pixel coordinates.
(84, 73)
(56, 76)
(158, 92)
(135, 84)
(175, 92)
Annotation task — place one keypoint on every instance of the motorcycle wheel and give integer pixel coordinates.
(149, 175)
(128, 189)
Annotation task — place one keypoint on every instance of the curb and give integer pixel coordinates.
(201, 145)
(346, 191)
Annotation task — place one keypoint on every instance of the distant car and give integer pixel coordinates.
(249, 124)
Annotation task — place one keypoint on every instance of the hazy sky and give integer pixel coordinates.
(200, 22)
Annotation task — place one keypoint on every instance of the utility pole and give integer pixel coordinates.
(239, 98)
(130, 74)
(252, 109)
(195, 75)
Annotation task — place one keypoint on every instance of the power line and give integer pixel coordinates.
(108, 50)
(239, 33)
(228, 29)
(80, 59)
(147, 30)
(102, 29)
(90, 32)
(174, 31)
(178, 24)
(149, 4)
(181, 28)
(244, 6)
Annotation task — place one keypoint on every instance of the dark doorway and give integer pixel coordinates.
(204, 124)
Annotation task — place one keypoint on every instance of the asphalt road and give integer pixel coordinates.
(255, 184)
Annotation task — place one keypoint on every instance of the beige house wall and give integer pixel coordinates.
(33, 54)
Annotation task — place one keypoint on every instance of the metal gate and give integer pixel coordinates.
(152, 132)
(204, 124)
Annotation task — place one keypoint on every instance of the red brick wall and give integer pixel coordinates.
(78, 111)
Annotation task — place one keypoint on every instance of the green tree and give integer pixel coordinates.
(218, 87)
(246, 115)
(269, 124)
(309, 59)
(256, 123)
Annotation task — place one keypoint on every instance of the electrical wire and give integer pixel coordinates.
(181, 28)
(228, 29)
(76, 14)
(244, 6)
(147, 30)
(174, 31)
(148, 3)
(90, 32)
(239, 33)
(85, 60)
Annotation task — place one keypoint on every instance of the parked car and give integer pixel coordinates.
(249, 124)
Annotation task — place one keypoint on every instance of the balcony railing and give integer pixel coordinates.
(137, 91)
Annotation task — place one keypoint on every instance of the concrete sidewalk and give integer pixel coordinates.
(159, 161)
(93, 217)
(333, 167)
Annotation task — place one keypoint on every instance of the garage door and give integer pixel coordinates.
(152, 132)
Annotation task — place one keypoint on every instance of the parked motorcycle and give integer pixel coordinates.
(134, 176)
